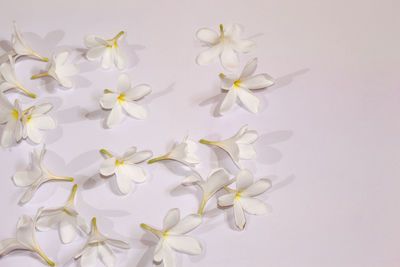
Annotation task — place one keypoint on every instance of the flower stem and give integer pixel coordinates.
(62, 178)
(108, 91)
(156, 159)
(27, 92)
(73, 193)
(105, 152)
(117, 36)
(95, 225)
(229, 190)
(203, 204)
(151, 229)
(27, 110)
(207, 142)
(221, 28)
(45, 59)
(40, 75)
(222, 75)
(41, 253)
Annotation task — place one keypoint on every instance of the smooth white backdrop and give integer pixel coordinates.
(329, 128)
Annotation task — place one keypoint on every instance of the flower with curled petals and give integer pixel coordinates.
(125, 99)
(183, 153)
(172, 236)
(216, 180)
(243, 199)
(239, 87)
(20, 46)
(11, 116)
(239, 146)
(60, 70)
(36, 119)
(66, 218)
(226, 46)
(125, 168)
(36, 177)
(98, 246)
(108, 51)
(9, 79)
(25, 239)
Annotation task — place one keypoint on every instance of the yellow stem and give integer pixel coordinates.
(27, 110)
(203, 204)
(62, 178)
(117, 36)
(157, 159)
(108, 91)
(229, 190)
(207, 142)
(41, 253)
(40, 75)
(222, 75)
(105, 152)
(156, 232)
(45, 59)
(27, 92)
(95, 224)
(73, 193)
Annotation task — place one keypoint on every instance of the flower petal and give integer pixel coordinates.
(89, 256)
(119, 57)
(168, 256)
(209, 55)
(68, 232)
(124, 82)
(117, 243)
(228, 102)
(106, 255)
(135, 110)
(34, 134)
(115, 116)
(26, 232)
(108, 167)
(8, 245)
(25, 178)
(129, 153)
(185, 244)
(229, 59)
(47, 219)
(258, 81)
(257, 188)
(8, 137)
(243, 46)
(246, 151)
(124, 182)
(134, 172)
(43, 122)
(81, 222)
(207, 35)
(29, 193)
(187, 224)
(253, 205)
(226, 200)
(42, 108)
(139, 156)
(240, 219)
(250, 101)
(217, 179)
(190, 180)
(171, 219)
(95, 52)
(107, 59)
(227, 82)
(244, 179)
(61, 58)
(138, 92)
(249, 69)
(158, 251)
(90, 40)
(109, 100)
(247, 137)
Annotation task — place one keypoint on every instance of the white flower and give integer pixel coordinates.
(21, 47)
(238, 146)
(36, 119)
(225, 46)
(183, 152)
(9, 79)
(25, 239)
(98, 246)
(172, 237)
(11, 115)
(36, 177)
(125, 168)
(216, 180)
(241, 86)
(125, 99)
(66, 218)
(242, 198)
(60, 70)
(107, 50)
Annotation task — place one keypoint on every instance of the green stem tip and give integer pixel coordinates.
(156, 159)
(105, 152)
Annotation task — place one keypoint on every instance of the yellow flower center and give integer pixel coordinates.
(238, 195)
(121, 98)
(165, 234)
(237, 83)
(15, 114)
(118, 162)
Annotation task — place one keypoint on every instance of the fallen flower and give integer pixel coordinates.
(36, 119)
(11, 116)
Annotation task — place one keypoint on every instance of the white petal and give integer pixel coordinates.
(8, 245)
(244, 179)
(124, 82)
(48, 219)
(34, 134)
(158, 251)
(90, 40)
(89, 256)
(61, 58)
(115, 116)
(106, 255)
(139, 156)
(246, 151)
(209, 55)
(257, 188)
(109, 100)
(134, 172)
(8, 136)
(81, 222)
(69, 70)
(117, 243)
(185, 244)
(228, 102)
(119, 58)
(138, 92)
(42, 108)
(207, 35)
(240, 219)
(68, 232)
(107, 59)
(25, 178)
(190, 180)
(247, 137)
(226, 200)
(249, 69)
(26, 231)
(168, 256)
(227, 82)
(171, 219)
(129, 153)
(95, 52)
(218, 178)
(253, 205)
(65, 82)
(29, 193)
(108, 167)
(124, 181)
(135, 110)
(258, 81)
(43, 122)
(229, 59)
(243, 46)
(250, 101)
(185, 225)
(233, 31)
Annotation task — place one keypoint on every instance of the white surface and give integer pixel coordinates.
(329, 128)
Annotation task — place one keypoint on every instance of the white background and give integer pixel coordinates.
(329, 128)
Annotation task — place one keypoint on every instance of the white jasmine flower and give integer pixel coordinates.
(242, 198)
(36, 119)
(216, 180)
(98, 247)
(21, 47)
(226, 45)
(9, 79)
(241, 86)
(36, 177)
(60, 70)
(107, 50)
(25, 239)
(11, 116)
(172, 237)
(238, 146)
(183, 152)
(125, 168)
(66, 218)
(124, 99)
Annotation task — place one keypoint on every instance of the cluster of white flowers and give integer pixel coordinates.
(226, 45)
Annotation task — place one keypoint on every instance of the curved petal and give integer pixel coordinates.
(137, 92)
(108, 167)
(8, 136)
(253, 205)
(229, 59)
(91, 40)
(43, 122)
(29, 193)
(185, 244)
(129, 153)
(68, 231)
(115, 116)
(227, 82)
(95, 52)
(124, 82)
(187, 224)
(168, 256)
(25, 178)
(246, 151)
(81, 222)
(61, 58)
(247, 137)
(228, 102)
(26, 232)
(190, 180)
(69, 70)
(119, 57)
(207, 35)
(249, 69)
(109, 100)
(48, 219)
(243, 46)
(257, 188)
(134, 172)
(244, 179)
(240, 219)
(258, 81)
(250, 101)
(158, 251)
(34, 134)
(106, 255)
(117, 243)
(65, 82)
(135, 110)
(8, 245)
(107, 60)
(42, 108)
(226, 200)
(171, 219)
(89, 256)
(218, 178)
(209, 55)
(139, 156)
(124, 181)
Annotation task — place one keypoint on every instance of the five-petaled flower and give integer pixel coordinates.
(36, 119)
(11, 116)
